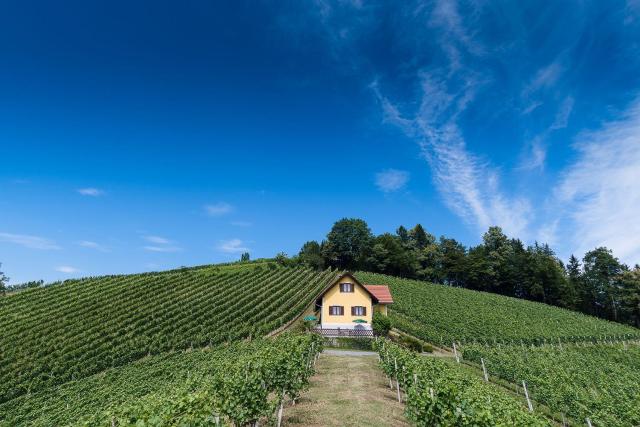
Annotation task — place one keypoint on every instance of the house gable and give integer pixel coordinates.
(350, 303)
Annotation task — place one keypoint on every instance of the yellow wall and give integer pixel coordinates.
(333, 296)
(381, 308)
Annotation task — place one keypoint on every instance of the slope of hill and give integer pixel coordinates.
(77, 328)
(578, 366)
(55, 339)
(596, 381)
(442, 314)
(179, 388)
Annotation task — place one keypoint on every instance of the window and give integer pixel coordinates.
(358, 310)
(346, 287)
(336, 310)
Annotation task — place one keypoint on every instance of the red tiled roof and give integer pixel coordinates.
(381, 292)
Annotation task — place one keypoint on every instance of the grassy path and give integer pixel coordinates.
(347, 391)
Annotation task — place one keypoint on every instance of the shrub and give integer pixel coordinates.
(411, 343)
(381, 324)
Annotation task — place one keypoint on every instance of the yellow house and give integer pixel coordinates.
(349, 304)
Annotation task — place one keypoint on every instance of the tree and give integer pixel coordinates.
(245, 257)
(489, 263)
(348, 244)
(518, 271)
(388, 256)
(403, 234)
(630, 296)
(3, 282)
(282, 259)
(311, 255)
(600, 292)
(574, 283)
(452, 262)
(546, 275)
(428, 261)
(498, 252)
(420, 238)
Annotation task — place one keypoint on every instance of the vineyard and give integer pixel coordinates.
(439, 393)
(184, 347)
(238, 384)
(442, 314)
(599, 382)
(77, 328)
(578, 366)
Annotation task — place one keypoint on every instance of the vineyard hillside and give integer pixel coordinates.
(441, 314)
(584, 370)
(178, 388)
(95, 346)
(77, 328)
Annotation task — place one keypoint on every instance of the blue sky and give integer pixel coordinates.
(140, 136)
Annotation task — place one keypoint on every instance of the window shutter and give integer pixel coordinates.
(364, 311)
(353, 311)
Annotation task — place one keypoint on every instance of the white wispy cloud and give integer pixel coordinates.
(545, 77)
(599, 191)
(66, 269)
(596, 200)
(31, 242)
(165, 249)
(160, 244)
(157, 239)
(93, 245)
(562, 116)
(90, 191)
(536, 154)
(232, 246)
(391, 180)
(536, 150)
(218, 209)
(532, 106)
(455, 34)
(468, 185)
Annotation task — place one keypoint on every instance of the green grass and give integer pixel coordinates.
(347, 391)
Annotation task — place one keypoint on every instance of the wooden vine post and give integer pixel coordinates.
(395, 361)
(526, 394)
(281, 409)
(455, 351)
(484, 370)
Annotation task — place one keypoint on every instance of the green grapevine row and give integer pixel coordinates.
(600, 382)
(71, 330)
(442, 314)
(238, 383)
(438, 393)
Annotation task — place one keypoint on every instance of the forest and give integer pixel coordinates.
(598, 284)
